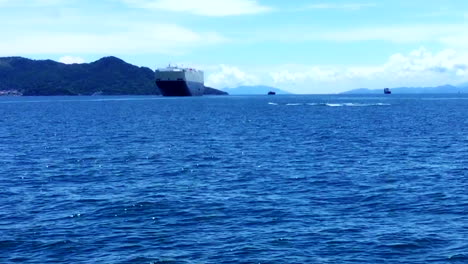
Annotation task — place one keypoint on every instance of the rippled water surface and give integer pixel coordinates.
(234, 179)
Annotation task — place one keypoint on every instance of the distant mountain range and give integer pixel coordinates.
(106, 76)
(463, 88)
(250, 90)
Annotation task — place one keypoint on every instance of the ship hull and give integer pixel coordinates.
(180, 88)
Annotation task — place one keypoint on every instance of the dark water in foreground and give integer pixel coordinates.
(265, 179)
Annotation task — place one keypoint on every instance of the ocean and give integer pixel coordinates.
(234, 179)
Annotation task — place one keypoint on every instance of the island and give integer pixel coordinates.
(106, 76)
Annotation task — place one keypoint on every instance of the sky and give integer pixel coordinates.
(302, 46)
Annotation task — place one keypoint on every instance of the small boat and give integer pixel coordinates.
(271, 93)
(387, 91)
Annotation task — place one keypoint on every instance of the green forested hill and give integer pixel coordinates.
(106, 76)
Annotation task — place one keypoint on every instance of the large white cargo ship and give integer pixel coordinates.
(175, 81)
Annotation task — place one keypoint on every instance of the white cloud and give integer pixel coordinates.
(423, 62)
(226, 76)
(71, 60)
(203, 7)
(143, 38)
(349, 6)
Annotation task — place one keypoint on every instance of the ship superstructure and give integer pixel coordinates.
(175, 81)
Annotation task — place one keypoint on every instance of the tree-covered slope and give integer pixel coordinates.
(108, 75)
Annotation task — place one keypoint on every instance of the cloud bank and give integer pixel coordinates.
(71, 60)
(417, 68)
(230, 76)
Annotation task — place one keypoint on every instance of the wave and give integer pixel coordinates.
(359, 104)
(334, 104)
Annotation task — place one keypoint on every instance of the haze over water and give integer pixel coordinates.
(236, 179)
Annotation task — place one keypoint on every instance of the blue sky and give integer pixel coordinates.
(300, 46)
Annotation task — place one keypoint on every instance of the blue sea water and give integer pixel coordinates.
(234, 179)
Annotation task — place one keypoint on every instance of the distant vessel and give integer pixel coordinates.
(175, 81)
(387, 91)
(271, 93)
